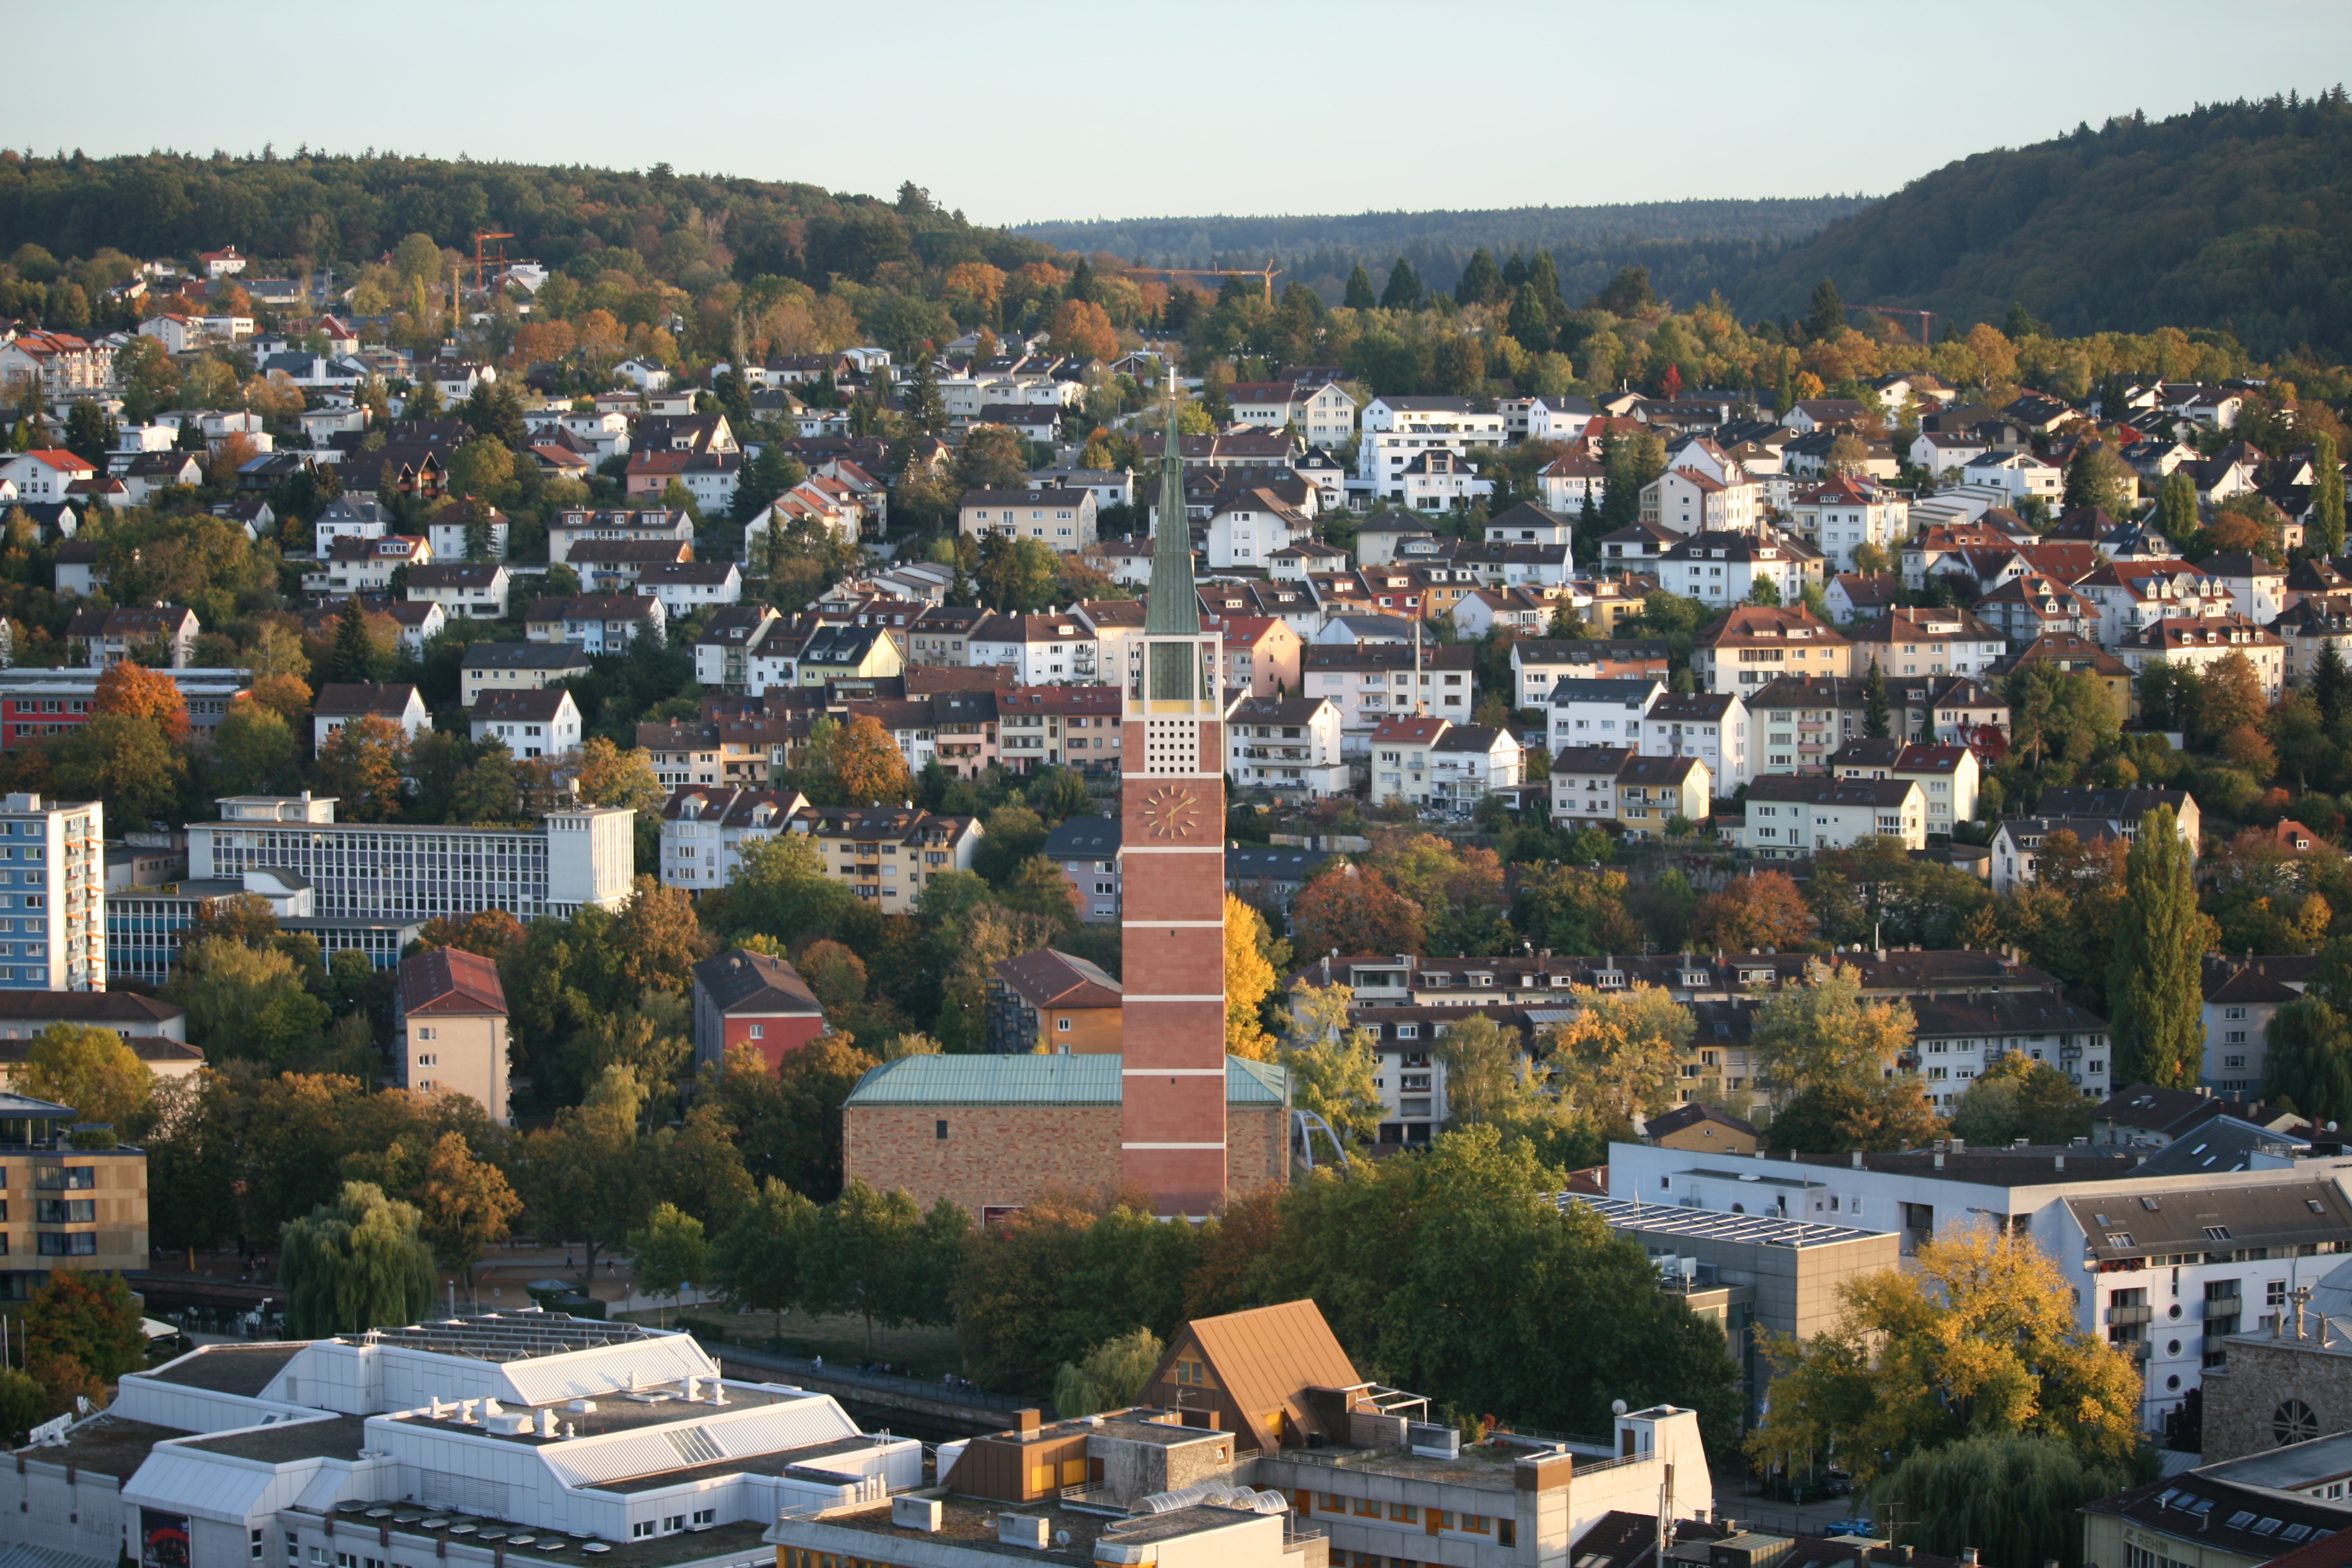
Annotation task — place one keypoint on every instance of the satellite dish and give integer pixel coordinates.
(1061, 1537)
(1616, 1407)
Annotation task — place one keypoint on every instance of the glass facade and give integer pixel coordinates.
(396, 873)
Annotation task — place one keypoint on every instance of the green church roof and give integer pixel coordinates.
(1074, 1080)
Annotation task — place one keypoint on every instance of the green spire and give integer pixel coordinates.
(1175, 607)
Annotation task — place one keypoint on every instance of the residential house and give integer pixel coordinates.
(1088, 851)
(1402, 765)
(596, 622)
(888, 855)
(148, 475)
(2030, 606)
(340, 704)
(1690, 500)
(2202, 643)
(1470, 761)
(1246, 530)
(572, 528)
(449, 1028)
(1928, 642)
(1754, 645)
(1947, 775)
(1584, 784)
(706, 826)
(2257, 586)
(365, 566)
(1290, 745)
(2318, 621)
(1851, 597)
(1711, 726)
(1794, 817)
(1599, 713)
(2069, 654)
(1368, 682)
(354, 517)
(1260, 654)
(1845, 512)
(1063, 519)
(757, 1000)
(45, 473)
(1058, 726)
(710, 478)
(1797, 722)
(540, 723)
(1653, 792)
(517, 667)
(844, 653)
(103, 638)
(464, 589)
(1720, 568)
(1538, 662)
(449, 528)
(1031, 650)
(1950, 710)
(684, 587)
(1052, 1001)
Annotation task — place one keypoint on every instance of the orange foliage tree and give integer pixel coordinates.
(1352, 908)
(1083, 331)
(1763, 909)
(144, 693)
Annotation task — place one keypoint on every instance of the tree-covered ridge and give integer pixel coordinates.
(691, 229)
(2235, 215)
(1690, 246)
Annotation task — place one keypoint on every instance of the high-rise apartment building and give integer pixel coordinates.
(387, 871)
(1173, 840)
(52, 894)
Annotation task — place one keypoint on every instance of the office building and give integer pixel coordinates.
(393, 871)
(461, 1441)
(75, 1208)
(147, 927)
(36, 703)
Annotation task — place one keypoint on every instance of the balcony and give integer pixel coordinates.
(2125, 1316)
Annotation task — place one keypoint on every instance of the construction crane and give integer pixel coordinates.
(1925, 317)
(1267, 274)
(480, 259)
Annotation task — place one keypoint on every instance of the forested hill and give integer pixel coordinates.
(1689, 246)
(686, 229)
(2238, 215)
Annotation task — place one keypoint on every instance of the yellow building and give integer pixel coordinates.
(1653, 791)
(888, 854)
(65, 1207)
(1048, 1000)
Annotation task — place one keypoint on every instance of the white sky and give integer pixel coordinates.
(1045, 108)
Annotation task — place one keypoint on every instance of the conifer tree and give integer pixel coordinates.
(1481, 282)
(1530, 324)
(1359, 295)
(2331, 685)
(2152, 983)
(2328, 496)
(1403, 292)
(354, 659)
(1544, 277)
(1827, 318)
(1879, 718)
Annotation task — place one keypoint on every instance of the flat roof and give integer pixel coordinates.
(111, 1445)
(284, 1442)
(230, 1369)
(1708, 1225)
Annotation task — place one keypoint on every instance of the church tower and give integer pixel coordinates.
(1173, 840)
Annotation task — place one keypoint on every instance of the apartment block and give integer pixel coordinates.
(449, 1028)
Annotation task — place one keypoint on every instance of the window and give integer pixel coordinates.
(1061, 1025)
(1190, 1372)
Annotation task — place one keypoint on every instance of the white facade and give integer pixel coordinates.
(1710, 726)
(381, 871)
(1290, 747)
(1792, 817)
(1599, 713)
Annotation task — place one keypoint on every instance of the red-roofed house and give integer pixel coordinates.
(450, 1027)
(1261, 653)
(746, 999)
(44, 476)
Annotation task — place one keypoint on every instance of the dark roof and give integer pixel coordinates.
(541, 706)
(380, 698)
(2126, 803)
(450, 980)
(1274, 863)
(742, 980)
(1818, 790)
(455, 575)
(1083, 838)
(110, 1008)
(2224, 1143)
(526, 655)
(2251, 1523)
(244, 1370)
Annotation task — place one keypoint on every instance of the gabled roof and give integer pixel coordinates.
(1267, 1358)
(383, 699)
(541, 706)
(1049, 978)
(449, 980)
(741, 981)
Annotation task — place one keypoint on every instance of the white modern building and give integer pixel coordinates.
(52, 894)
(1599, 713)
(390, 870)
(1791, 817)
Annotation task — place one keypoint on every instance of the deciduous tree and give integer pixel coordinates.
(464, 1204)
(761, 1261)
(1826, 1033)
(1761, 912)
(357, 1263)
(138, 692)
(670, 1252)
(867, 766)
(1332, 1063)
(361, 763)
(1619, 1055)
(2152, 987)
(91, 1069)
(1351, 909)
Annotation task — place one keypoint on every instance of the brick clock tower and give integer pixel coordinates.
(1172, 839)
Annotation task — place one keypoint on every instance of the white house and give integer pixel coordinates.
(1709, 725)
(339, 705)
(464, 589)
(1470, 761)
(1722, 567)
(686, 586)
(1947, 775)
(1289, 745)
(1793, 815)
(1846, 513)
(540, 723)
(1599, 713)
(1248, 528)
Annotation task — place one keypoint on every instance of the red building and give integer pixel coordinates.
(1172, 841)
(745, 999)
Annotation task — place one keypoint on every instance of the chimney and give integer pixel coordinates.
(1857, 1159)
(1940, 1159)
(1025, 1422)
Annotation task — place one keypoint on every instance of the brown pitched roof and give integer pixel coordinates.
(1266, 1358)
(450, 980)
(1049, 978)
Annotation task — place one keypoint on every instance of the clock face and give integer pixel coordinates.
(1172, 811)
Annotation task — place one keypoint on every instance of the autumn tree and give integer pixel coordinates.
(1826, 1033)
(867, 766)
(611, 776)
(1762, 912)
(254, 748)
(361, 762)
(465, 1205)
(1082, 331)
(138, 692)
(85, 1319)
(1250, 979)
(1620, 1054)
(1978, 1337)
(1350, 909)
(1332, 1062)
(91, 1069)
